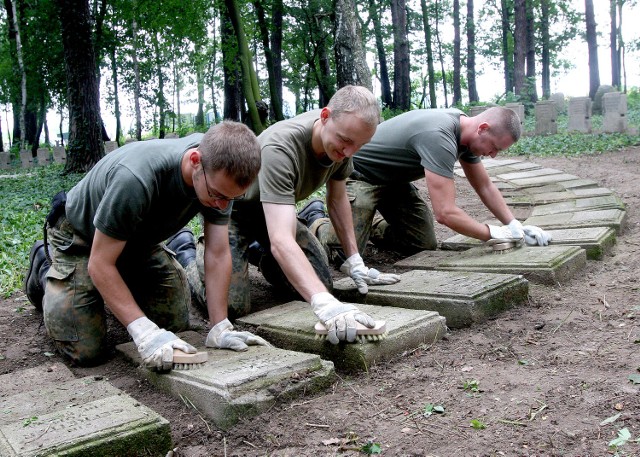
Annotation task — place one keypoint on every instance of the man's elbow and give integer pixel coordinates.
(443, 217)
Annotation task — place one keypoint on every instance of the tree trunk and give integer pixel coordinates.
(457, 90)
(136, 79)
(613, 39)
(277, 12)
(401, 68)
(530, 81)
(23, 74)
(116, 98)
(520, 46)
(249, 80)
(471, 54)
(428, 45)
(385, 84)
(546, 59)
(160, 99)
(199, 120)
(85, 132)
(507, 54)
(233, 100)
(351, 62)
(276, 99)
(441, 58)
(592, 45)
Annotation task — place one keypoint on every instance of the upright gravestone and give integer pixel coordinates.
(475, 110)
(517, 108)
(171, 135)
(43, 156)
(26, 159)
(59, 154)
(579, 115)
(597, 98)
(561, 106)
(546, 116)
(110, 146)
(614, 105)
(5, 160)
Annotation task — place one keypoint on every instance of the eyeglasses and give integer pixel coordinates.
(217, 196)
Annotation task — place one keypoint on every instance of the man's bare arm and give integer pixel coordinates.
(339, 210)
(487, 191)
(217, 270)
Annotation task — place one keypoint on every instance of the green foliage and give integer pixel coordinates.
(477, 424)
(26, 200)
(371, 448)
(565, 143)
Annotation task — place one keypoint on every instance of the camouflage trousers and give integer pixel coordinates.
(73, 309)
(240, 236)
(391, 216)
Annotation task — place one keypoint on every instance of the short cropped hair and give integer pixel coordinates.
(503, 121)
(356, 100)
(233, 148)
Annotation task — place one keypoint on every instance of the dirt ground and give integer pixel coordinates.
(541, 378)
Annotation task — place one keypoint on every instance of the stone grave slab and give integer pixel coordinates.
(614, 218)
(5, 160)
(580, 204)
(26, 159)
(233, 385)
(532, 199)
(291, 326)
(513, 168)
(544, 265)
(573, 184)
(596, 241)
(536, 181)
(34, 378)
(463, 298)
(529, 174)
(493, 163)
(58, 415)
(44, 156)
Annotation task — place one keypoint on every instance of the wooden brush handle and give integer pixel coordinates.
(183, 357)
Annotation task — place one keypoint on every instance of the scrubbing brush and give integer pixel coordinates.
(185, 361)
(503, 245)
(363, 333)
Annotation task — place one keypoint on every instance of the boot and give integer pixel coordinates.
(255, 253)
(184, 246)
(312, 211)
(35, 279)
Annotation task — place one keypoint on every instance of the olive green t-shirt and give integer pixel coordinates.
(404, 146)
(290, 171)
(137, 193)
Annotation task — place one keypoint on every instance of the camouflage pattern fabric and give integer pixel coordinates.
(74, 313)
(404, 222)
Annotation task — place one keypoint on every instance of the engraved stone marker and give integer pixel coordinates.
(528, 174)
(526, 198)
(615, 112)
(579, 115)
(596, 241)
(536, 181)
(546, 115)
(475, 110)
(581, 204)
(291, 326)
(26, 159)
(561, 105)
(614, 218)
(59, 415)
(5, 160)
(59, 154)
(43, 156)
(517, 108)
(110, 146)
(462, 298)
(547, 265)
(232, 385)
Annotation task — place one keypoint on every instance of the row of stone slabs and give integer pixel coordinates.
(89, 417)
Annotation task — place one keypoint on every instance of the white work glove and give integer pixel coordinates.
(363, 276)
(504, 232)
(339, 318)
(156, 345)
(533, 236)
(223, 336)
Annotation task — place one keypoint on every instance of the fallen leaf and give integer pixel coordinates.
(406, 430)
(465, 369)
(331, 441)
(634, 378)
(610, 420)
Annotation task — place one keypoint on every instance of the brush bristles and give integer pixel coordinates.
(187, 366)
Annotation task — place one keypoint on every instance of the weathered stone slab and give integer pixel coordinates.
(26, 159)
(546, 115)
(44, 156)
(546, 265)
(596, 241)
(526, 198)
(579, 119)
(110, 146)
(614, 105)
(580, 204)
(462, 298)
(59, 154)
(233, 385)
(614, 218)
(492, 163)
(291, 326)
(541, 180)
(529, 174)
(562, 186)
(78, 417)
(516, 167)
(5, 160)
